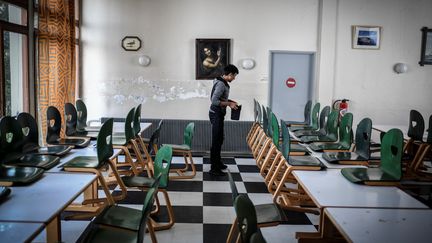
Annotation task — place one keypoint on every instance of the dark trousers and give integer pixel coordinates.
(217, 124)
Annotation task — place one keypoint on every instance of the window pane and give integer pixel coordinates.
(12, 13)
(15, 61)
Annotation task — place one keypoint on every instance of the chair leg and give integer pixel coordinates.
(233, 231)
(181, 173)
(171, 217)
(151, 231)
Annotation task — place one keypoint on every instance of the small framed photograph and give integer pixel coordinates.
(131, 43)
(212, 55)
(366, 37)
(426, 47)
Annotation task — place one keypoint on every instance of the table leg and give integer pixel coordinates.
(53, 230)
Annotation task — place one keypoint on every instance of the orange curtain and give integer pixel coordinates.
(56, 84)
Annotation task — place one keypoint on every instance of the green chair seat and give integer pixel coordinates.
(363, 175)
(36, 160)
(122, 217)
(103, 235)
(304, 161)
(311, 139)
(58, 150)
(269, 214)
(335, 157)
(319, 147)
(298, 148)
(83, 162)
(20, 175)
(119, 141)
(313, 120)
(76, 142)
(322, 125)
(309, 133)
(4, 192)
(183, 147)
(138, 181)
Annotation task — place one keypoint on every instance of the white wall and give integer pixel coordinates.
(113, 81)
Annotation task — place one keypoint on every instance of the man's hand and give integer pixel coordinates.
(233, 105)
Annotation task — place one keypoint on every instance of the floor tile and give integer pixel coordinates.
(185, 186)
(183, 214)
(215, 233)
(222, 186)
(180, 160)
(179, 233)
(218, 215)
(252, 177)
(217, 199)
(260, 198)
(255, 187)
(183, 198)
(209, 177)
(245, 161)
(248, 168)
(231, 168)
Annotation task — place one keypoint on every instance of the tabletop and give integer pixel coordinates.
(12, 232)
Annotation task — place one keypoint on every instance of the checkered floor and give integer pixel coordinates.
(203, 206)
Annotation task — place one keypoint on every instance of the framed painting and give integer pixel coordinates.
(131, 43)
(212, 55)
(426, 47)
(366, 37)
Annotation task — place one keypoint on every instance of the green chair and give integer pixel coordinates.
(313, 120)
(54, 128)
(12, 147)
(98, 164)
(332, 130)
(345, 135)
(415, 133)
(31, 138)
(390, 170)
(307, 116)
(362, 147)
(71, 117)
(322, 125)
(162, 165)
(81, 109)
(417, 168)
(184, 149)
(246, 218)
(255, 124)
(266, 214)
(4, 193)
(15, 176)
(124, 224)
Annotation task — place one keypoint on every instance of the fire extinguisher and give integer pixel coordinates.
(342, 106)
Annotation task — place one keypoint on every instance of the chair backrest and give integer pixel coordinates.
(71, 119)
(255, 111)
(154, 139)
(416, 126)
(188, 134)
(11, 136)
(275, 128)
(286, 140)
(137, 120)
(163, 156)
(314, 115)
(323, 118)
(147, 208)
(257, 237)
(234, 191)
(104, 144)
(53, 124)
(29, 128)
(269, 118)
(307, 111)
(391, 153)
(332, 124)
(81, 109)
(429, 137)
(246, 217)
(363, 136)
(260, 119)
(129, 129)
(345, 130)
(265, 120)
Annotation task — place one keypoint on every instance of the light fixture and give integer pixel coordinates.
(247, 63)
(400, 68)
(144, 60)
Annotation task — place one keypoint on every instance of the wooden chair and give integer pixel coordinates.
(416, 168)
(267, 214)
(389, 173)
(185, 150)
(307, 116)
(313, 120)
(254, 135)
(332, 131)
(322, 125)
(256, 123)
(54, 128)
(71, 117)
(362, 147)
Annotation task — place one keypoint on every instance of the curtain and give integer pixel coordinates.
(56, 40)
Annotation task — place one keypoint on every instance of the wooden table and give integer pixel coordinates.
(13, 232)
(379, 225)
(44, 200)
(404, 129)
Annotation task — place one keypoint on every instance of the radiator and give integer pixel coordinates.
(172, 133)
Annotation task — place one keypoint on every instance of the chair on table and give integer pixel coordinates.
(82, 124)
(124, 224)
(415, 134)
(362, 149)
(4, 192)
(313, 120)
(162, 165)
(322, 125)
(31, 138)
(389, 173)
(127, 144)
(254, 136)
(261, 138)
(184, 149)
(416, 168)
(266, 214)
(71, 117)
(96, 165)
(247, 223)
(12, 143)
(54, 128)
(345, 137)
(331, 128)
(151, 145)
(307, 116)
(255, 123)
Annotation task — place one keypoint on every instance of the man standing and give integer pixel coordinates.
(219, 102)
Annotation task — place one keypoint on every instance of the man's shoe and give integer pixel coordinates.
(217, 173)
(223, 166)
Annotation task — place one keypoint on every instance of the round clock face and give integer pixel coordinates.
(131, 43)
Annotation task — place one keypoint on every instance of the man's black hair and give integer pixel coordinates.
(230, 69)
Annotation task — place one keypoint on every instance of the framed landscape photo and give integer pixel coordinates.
(131, 43)
(211, 56)
(426, 47)
(366, 37)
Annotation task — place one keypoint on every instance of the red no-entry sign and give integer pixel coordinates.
(290, 82)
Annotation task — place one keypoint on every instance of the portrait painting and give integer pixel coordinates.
(212, 55)
(366, 37)
(426, 47)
